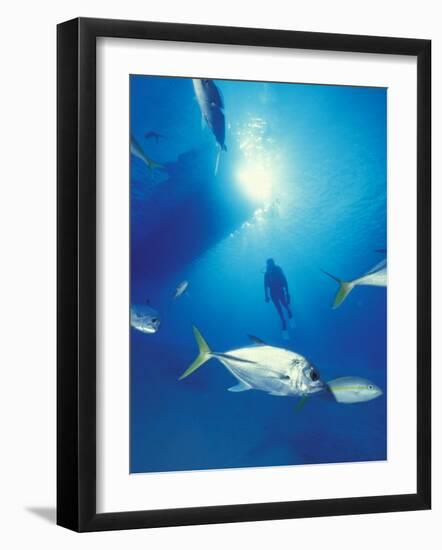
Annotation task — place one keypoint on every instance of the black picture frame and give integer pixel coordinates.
(76, 274)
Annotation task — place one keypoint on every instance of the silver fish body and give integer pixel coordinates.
(144, 318)
(180, 289)
(377, 276)
(276, 371)
(353, 389)
(212, 109)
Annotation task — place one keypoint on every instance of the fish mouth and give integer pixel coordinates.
(318, 387)
(150, 329)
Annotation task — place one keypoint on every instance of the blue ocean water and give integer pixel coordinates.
(303, 181)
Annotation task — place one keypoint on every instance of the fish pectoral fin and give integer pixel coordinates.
(301, 403)
(242, 386)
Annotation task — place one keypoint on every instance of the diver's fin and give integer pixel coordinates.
(242, 386)
(204, 354)
(256, 340)
(344, 289)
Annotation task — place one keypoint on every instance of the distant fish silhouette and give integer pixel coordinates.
(153, 135)
(137, 151)
(180, 289)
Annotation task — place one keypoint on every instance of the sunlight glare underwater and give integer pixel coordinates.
(259, 165)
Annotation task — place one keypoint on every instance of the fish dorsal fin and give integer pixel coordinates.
(378, 267)
(242, 386)
(256, 340)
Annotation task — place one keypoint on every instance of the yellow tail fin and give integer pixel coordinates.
(344, 289)
(343, 292)
(203, 356)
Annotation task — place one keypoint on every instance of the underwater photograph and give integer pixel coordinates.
(258, 273)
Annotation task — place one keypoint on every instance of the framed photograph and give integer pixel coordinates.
(229, 346)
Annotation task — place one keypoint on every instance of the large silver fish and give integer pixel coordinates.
(136, 150)
(276, 371)
(212, 109)
(144, 318)
(353, 389)
(377, 276)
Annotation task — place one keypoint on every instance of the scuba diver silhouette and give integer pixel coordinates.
(276, 283)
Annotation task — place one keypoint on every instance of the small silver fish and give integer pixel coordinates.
(180, 289)
(137, 151)
(276, 371)
(377, 276)
(352, 389)
(144, 318)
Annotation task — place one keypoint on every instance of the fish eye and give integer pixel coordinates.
(154, 320)
(370, 387)
(314, 375)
